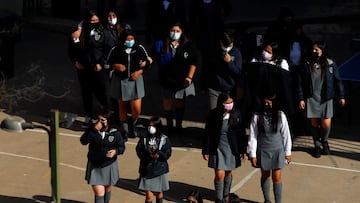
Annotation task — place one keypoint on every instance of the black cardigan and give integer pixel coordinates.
(236, 133)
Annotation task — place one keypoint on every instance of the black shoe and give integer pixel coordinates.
(326, 149)
(317, 152)
(226, 199)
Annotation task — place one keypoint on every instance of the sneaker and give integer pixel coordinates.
(87, 122)
(326, 149)
(317, 152)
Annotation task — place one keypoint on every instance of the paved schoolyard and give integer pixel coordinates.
(25, 173)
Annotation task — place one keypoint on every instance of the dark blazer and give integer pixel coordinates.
(223, 76)
(88, 52)
(99, 147)
(150, 167)
(236, 133)
(331, 86)
(174, 69)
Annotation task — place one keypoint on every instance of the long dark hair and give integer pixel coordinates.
(124, 34)
(106, 114)
(183, 37)
(227, 37)
(119, 26)
(273, 115)
(221, 99)
(86, 26)
(276, 52)
(157, 124)
(323, 58)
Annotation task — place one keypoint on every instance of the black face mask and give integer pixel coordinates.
(95, 25)
(314, 56)
(267, 108)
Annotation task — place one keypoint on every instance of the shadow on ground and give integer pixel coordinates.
(36, 199)
(179, 191)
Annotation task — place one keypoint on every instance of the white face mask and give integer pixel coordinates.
(152, 130)
(226, 49)
(112, 21)
(175, 35)
(266, 55)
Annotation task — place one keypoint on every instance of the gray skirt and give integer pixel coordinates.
(156, 184)
(270, 159)
(169, 93)
(224, 159)
(126, 89)
(317, 110)
(109, 175)
(314, 107)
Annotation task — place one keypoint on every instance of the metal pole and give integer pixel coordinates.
(54, 155)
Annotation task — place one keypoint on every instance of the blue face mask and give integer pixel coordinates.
(175, 35)
(129, 44)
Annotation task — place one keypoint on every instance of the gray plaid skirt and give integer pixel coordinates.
(108, 175)
(126, 89)
(156, 184)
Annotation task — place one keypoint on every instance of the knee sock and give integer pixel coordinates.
(277, 192)
(316, 135)
(160, 200)
(169, 115)
(227, 185)
(325, 132)
(107, 196)
(99, 199)
(132, 127)
(148, 201)
(265, 187)
(179, 117)
(219, 189)
(124, 128)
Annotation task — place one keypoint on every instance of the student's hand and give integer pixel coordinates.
(97, 126)
(135, 75)
(111, 153)
(253, 162)
(142, 64)
(119, 67)
(244, 156)
(98, 67)
(78, 65)
(302, 104)
(205, 157)
(288, 158)
(154, 156)
(227, 57)
(342, 102)
(76, 34)
(187, 82)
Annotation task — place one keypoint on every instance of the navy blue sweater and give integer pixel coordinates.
(99, 147)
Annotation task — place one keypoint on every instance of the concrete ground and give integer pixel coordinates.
(25, 173)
